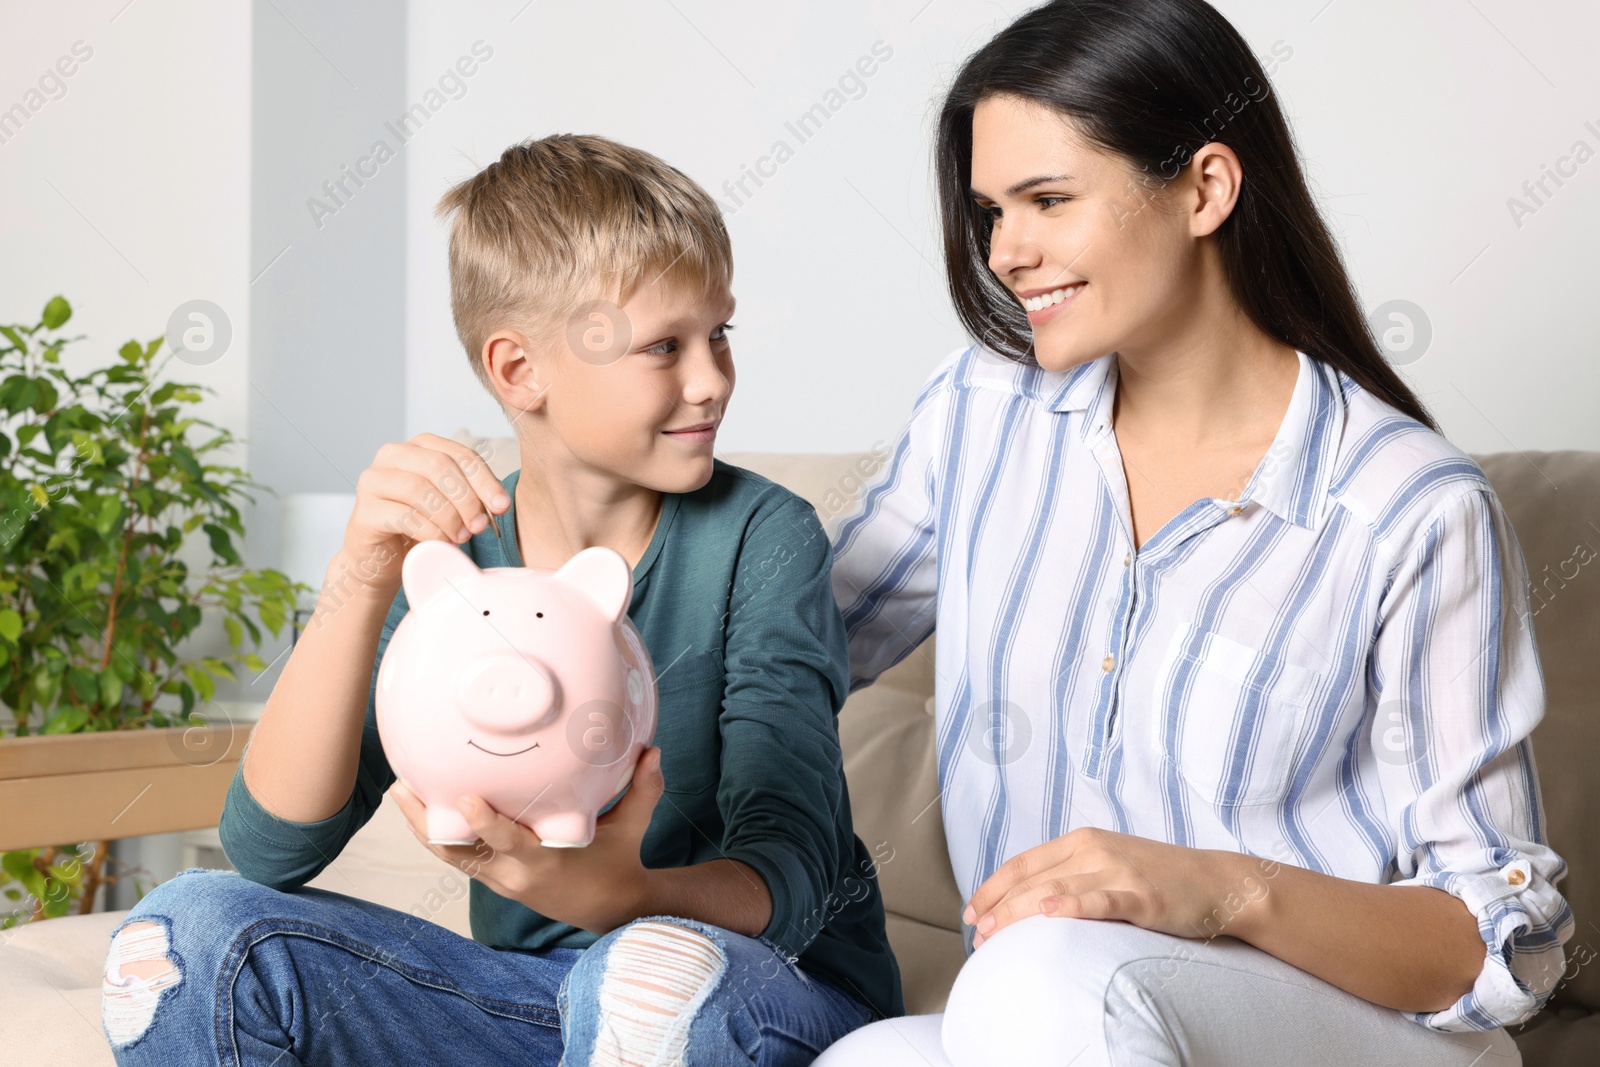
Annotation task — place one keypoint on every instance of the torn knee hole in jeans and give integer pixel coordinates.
(137, 970)
(656, 977)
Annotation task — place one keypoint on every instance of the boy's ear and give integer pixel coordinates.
(515, 369)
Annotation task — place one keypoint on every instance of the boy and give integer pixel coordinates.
(725, 914)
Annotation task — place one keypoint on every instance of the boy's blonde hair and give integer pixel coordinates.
(562, 220)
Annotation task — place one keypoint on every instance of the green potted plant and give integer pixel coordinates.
(103, 477)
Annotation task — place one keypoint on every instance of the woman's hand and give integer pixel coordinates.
(1091, 873)
(597, 888)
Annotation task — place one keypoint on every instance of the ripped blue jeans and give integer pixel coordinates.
(210, 968)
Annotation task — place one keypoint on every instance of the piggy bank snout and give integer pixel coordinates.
(507, 693)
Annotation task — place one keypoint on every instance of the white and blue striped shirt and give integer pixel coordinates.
(1337, 670)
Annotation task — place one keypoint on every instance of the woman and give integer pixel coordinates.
(1230, 637)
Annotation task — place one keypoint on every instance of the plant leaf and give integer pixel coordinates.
(222, 544)
(18, 863)
(110, 508)
(83, 683)
(56, 313)
(110, 688)
(67, 719)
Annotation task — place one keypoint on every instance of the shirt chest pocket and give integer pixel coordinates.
(1233, 717)
(688, 734)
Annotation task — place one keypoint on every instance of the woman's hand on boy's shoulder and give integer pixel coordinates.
(598, 888)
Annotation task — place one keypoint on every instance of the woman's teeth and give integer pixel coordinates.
(1039, 303)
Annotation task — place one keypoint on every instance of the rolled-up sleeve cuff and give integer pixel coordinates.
(797, 916)
(1523, 922)
(273, 851)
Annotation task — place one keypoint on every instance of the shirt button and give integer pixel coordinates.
(1127, 558)
(1108, 664)
(1235, 510)
(1516, 877)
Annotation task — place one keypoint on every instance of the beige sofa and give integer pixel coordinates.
(50, 973)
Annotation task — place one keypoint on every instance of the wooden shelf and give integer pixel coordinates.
(104, 786)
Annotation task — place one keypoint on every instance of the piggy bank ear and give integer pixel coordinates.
(431, 567)
(602, 577)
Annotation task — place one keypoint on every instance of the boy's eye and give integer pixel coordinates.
(1051, 201)
(670, 345)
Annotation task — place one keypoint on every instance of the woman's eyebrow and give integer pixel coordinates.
(1028, 183)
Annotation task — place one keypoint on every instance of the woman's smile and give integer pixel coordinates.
(1044, 305)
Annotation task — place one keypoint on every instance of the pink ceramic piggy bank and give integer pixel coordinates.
(528, 687)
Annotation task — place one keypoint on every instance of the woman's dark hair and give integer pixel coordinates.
(1152, 81)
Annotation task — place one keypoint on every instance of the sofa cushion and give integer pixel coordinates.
(887, 737)
(50, 990)
(929, 957)
(1566, 1036)
(1553, 501)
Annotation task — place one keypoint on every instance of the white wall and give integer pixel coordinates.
(328, 224)
(1417, 122)
(130, 193)
(841, 300)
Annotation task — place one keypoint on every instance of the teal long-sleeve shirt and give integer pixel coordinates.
(734, 600)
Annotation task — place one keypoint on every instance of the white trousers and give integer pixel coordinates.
(1054, 992)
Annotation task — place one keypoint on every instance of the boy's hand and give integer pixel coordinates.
(597, 888)
(426, 489)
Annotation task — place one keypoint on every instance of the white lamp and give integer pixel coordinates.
(311, 533)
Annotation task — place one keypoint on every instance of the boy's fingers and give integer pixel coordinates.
(639, 805)
(413, 810)
(483, 479)
(650, 768)
(448, 487)
(494, 829)
(465, 478)
(407, 501)
(430, 481)
(648, 781)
